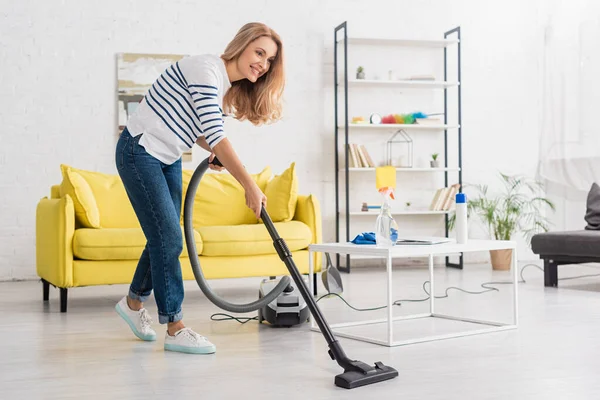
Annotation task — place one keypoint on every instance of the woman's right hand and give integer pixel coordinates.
(255, 199)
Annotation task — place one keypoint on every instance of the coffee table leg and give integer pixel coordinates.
(390, 335)
(311, 271)
(311, 279)
(431, 286)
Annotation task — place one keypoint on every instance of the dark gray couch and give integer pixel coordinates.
(571, 247)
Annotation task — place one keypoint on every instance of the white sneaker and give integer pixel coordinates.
(138, 321)
(187, 341)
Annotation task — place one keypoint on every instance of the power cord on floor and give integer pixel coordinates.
(486, 285)
(227, 317)
(348, 304)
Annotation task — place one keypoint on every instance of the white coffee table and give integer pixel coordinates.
(403, 251)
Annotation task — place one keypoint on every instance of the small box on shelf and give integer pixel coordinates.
(366, 207)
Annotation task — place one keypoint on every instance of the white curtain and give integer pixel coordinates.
(570, 125)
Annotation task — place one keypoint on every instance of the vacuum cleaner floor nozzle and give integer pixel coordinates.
(354, 379)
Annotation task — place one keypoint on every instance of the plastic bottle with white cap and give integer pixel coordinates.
(461, 218)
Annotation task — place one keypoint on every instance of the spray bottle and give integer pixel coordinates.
(386, 228)
(461, 218)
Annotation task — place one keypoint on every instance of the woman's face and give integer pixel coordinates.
(256, 59)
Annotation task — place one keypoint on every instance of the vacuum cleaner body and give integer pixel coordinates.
(287, 310)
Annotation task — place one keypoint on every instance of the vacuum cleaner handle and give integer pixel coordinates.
(216, 161)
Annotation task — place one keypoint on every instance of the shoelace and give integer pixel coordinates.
(145, 319)
(189, 333)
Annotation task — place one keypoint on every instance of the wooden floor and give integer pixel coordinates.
(90, 353)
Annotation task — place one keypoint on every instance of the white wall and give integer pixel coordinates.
(58, 79)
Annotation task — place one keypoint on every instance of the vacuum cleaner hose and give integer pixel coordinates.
(188, 209)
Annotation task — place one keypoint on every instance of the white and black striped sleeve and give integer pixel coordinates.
(204, 91)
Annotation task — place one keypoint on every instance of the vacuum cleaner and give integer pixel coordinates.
(356, 373)
(287, 310)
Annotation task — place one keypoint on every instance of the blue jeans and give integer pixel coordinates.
(154, 189)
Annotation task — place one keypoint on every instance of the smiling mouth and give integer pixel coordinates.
(255, 71)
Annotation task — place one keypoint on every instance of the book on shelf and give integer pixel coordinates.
(444, 198)
(424, 77)
(359, 156)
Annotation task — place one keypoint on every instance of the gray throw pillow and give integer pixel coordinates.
(592, 215)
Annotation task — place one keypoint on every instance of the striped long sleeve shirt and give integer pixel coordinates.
(184, 103)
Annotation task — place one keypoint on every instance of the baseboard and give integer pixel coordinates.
(20, 279)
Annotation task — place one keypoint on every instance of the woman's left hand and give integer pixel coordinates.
(213, 166)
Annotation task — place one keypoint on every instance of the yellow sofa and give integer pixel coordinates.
(87, 232)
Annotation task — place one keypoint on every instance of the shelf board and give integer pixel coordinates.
(429, 43)
(424, 212)
(403, 84)
(400, 126)
(442, 169)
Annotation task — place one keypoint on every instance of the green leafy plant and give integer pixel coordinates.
(434, 156)
(518, 208)
(359, 69)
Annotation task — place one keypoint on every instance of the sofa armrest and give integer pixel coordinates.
(54, 230)
(308, 211)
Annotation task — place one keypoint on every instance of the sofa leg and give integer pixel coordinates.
(46, 290)
(63, 300)
(550, 273)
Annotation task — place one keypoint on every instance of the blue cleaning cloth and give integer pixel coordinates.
(369, 237)
(365, 238)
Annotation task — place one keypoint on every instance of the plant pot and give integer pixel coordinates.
(360, 75)
(434, 163)
(501, 259)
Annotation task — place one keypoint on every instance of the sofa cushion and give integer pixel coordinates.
(246, 240)
(221, 200)
(86, 208)
(110, 198)
(569, 243)
(282, 195)
(592, 215)
(115, 243)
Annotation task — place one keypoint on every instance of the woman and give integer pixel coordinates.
(185, 105)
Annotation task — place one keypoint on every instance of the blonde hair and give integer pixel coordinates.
(258, 102)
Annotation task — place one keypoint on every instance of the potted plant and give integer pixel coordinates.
(360, 73)
(434, 161)
(518, 208)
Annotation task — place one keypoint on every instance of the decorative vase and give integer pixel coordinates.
(434, 163)
(501, 259)
(360, 75)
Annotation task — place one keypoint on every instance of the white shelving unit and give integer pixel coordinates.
(343, 127)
